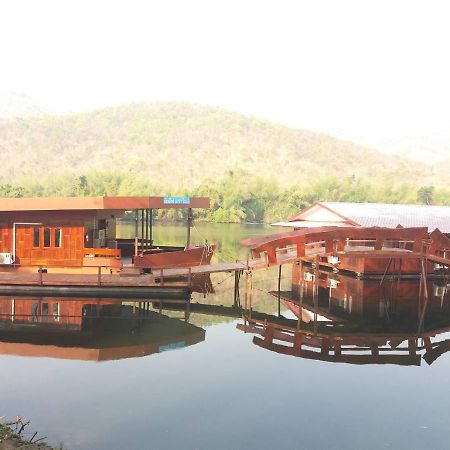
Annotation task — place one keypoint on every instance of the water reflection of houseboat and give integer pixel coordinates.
(73, 241)
(359, 321)
(88, 329)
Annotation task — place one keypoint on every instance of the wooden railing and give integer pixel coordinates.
(326, 241)
(103, 252)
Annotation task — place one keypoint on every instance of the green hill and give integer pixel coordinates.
(253, 169)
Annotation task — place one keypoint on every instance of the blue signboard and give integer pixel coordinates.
(177, 200)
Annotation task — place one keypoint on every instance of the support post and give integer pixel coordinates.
(188, 310)
(189, 225)
(386, 271)
(146, 227)
(136, 222)
(237, 300)
(279, 290)
(151, 227)
(300, 310)
(248, 292)
(142, 230)
(250, 295)
(99, 276)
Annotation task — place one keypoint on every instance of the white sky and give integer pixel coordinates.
(371, 71)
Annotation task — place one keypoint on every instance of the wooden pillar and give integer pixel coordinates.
(236, 288)
(248, 292)
(301, 294)
(136, 228)
(189, 225)
(188, 310)
(146, 227)
(151, 227)
(279, 291)
(142, 230)
(337, 347)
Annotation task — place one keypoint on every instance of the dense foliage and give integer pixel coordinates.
(237, 197)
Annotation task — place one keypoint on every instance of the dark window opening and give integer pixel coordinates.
(36, 236)
(46, 237)
(35, 311)
(44, 312)
(58, 237)
(55, 311)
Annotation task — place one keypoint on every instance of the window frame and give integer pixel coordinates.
(49, 238)
(38, 229)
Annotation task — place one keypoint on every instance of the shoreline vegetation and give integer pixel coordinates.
(12, 437)
(238, 197)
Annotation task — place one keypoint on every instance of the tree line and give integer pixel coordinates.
(237, 197)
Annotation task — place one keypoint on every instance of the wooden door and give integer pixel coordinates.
(24, 243)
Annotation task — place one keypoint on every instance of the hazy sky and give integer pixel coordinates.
(371, 71)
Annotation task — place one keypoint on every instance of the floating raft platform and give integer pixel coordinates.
(90, 285)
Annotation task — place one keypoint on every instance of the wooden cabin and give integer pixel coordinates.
(76, 231)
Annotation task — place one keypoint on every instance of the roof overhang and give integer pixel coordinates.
(100, 203)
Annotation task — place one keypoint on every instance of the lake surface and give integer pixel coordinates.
(98, 374)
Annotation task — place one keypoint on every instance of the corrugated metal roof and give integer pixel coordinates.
(308, 224)
(390, 215)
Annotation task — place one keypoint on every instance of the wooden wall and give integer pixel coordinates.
(71, 224)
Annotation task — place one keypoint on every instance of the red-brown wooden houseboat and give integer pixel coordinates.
(78, 235)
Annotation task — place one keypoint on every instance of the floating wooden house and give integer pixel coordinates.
(362, 251)
(78, 231)
(78, 236)
(369, 238)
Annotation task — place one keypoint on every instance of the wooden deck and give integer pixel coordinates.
(287, 248)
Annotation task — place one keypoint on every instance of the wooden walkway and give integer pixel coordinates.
(290, 256)
(266, 251)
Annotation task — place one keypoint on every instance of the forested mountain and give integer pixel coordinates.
(253, 169)
(181, 145)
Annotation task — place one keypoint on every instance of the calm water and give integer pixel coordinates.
(94, 374)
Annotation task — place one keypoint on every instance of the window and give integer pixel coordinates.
(46, 237)
(57, 237)
(35, 311)
(45, 312)
(56, 311)
(36, 236)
